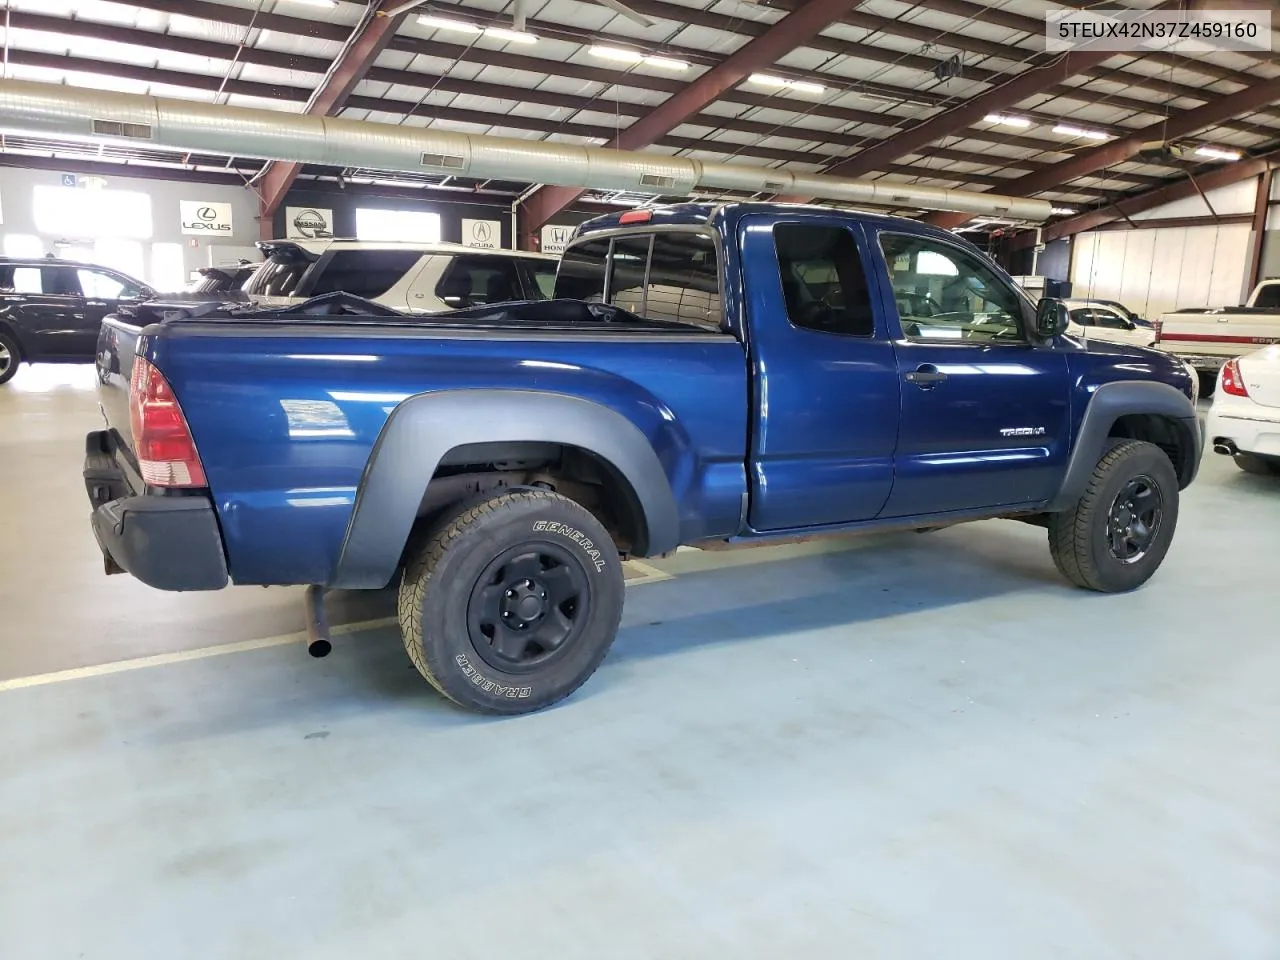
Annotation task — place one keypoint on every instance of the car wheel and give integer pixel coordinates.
(10, 357)
(1258, 466)
(1118, 533)
(511, 603)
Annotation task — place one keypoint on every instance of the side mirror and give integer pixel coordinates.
(1052, 318)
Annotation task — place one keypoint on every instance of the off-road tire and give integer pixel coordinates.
(446, 567)
(1258, 466)
(15, 357)
(1078, 536)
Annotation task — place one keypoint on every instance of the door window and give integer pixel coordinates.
(823, 282)
(1268, 297)
(1105, 318)
(26, 280)
(1083, 317)
(972, 302)
(470, 281)
(60, 281)
(363, 273)
(103, 286)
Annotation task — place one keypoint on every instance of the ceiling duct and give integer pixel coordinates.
(50, 110)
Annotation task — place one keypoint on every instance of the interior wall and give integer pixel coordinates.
(1152, 271)
(17, 214)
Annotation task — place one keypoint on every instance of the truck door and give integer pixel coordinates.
(985, 413)
(825, 416)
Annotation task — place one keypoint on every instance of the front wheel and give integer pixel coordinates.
(10, 357)
(512, 602)
(1118, 533)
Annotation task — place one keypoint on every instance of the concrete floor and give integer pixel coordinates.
(900, 746)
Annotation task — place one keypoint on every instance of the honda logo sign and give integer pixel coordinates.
(202, 219)
(555, 237)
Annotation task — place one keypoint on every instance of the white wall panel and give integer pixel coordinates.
(1083, 249)
(1137, 273)
(1166, 267)
(1197, 267)
(1230, 264)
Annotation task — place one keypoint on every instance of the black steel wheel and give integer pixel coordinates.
(1117, 534)
(529, 606)
(1133, 522)
(510, 603)
(10, 357)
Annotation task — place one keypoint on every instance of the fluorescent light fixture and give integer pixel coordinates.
(1069, 131)
(318, 3)
(801, 86)
(666, 63)
(444, 23)
(767, 81)
(1217, 153)
(1007, 121)
(1063, 211)
(515, 36)
(616, 53)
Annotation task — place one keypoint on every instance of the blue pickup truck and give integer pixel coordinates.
(704, 373)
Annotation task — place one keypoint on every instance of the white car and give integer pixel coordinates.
(414, 277)
(1244, 421)
(1108, 320)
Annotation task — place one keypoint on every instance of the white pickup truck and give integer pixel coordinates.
(1208, 338)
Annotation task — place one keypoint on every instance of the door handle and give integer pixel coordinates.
(926, 376)
(78, 316)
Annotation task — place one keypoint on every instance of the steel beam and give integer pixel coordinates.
(1261, 207)
(367, 40)
(1141, 202)
(968, 112)
(792, 31)
(1100, 157)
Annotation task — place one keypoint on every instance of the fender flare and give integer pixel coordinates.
(424, 428)
(1108, 403)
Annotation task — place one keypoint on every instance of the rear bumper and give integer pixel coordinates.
(170, 543)
(1203, 362)
(1247, 426)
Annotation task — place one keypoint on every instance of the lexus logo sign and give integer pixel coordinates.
(201, 219)
(308, 223)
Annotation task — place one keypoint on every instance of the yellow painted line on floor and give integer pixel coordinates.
(648, 574)
(182, 656)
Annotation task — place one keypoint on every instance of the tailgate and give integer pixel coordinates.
(117, 341)
(1218, 333)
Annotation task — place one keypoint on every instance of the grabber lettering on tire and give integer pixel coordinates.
(512, 602)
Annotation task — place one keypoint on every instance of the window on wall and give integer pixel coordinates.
(167, 271)
(75, 213)
(23, 245)
(416, 226)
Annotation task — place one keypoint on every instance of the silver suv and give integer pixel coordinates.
(414, 277)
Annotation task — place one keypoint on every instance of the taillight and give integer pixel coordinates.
(161, 439)
(1159, 326)
(1232, 383)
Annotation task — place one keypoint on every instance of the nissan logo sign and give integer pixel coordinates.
(311, 224)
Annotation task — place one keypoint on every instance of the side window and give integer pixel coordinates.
(1083, 317)
(823, 280)
(539, 278)
(364, 273)
(1269, 297)
(628, 264)
(581, 272)
(973, 303)
(27, 280)
(684, 280)
(60, 281)
(1105, 318)
(102, 286)
(475, 281)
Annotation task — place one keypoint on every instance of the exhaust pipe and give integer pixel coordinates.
(1225, 447)
(318, 642)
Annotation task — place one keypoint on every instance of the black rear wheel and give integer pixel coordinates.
(511, 603)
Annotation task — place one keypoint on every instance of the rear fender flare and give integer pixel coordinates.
(1107, 404)
(424, 428)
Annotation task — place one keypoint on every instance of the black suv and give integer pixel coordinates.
(50, 310)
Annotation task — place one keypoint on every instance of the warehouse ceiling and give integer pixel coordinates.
(808, 84)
